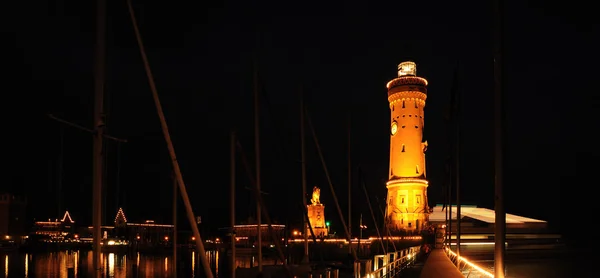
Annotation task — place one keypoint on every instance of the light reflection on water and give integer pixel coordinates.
(547, 268)
(80, 264)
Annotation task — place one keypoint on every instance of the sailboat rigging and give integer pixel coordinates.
(332, 190)
(260, 202)
(182, 189)
(364, 187)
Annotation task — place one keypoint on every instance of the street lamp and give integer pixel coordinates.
(327, 224)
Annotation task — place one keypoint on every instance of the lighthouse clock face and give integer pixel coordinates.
(394, 128)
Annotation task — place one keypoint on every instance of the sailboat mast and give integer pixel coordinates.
(60, 171)
(98, 133)
(174, 225)
(500, 222)
(303, 150)
(449, 227)
(349, 183)
(257, 151)
(303, 159)
(165, 129)
(456, 116)
(232, 202)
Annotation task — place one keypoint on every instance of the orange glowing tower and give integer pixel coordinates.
(316, 215)
(407, 208)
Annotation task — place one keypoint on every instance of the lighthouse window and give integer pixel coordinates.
(418, 199)
(416, 126)
(403, 116)
(403, 104)
(403, 147)
(416, 105)
(392, 107)
(417, 169)
(403, 126)
(402, 200)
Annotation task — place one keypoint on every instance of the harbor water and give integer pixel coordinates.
(118, 265)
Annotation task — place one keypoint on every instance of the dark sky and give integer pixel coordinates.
(342, 55)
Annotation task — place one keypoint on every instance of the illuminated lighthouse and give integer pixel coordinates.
(407, 208)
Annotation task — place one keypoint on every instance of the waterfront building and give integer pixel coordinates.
(12, 215)
(55, 230)
(146, 233)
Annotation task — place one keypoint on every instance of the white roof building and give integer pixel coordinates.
(480, 214)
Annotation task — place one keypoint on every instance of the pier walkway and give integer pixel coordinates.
(438, 265)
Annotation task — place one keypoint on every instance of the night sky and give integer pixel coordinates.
(341, 56)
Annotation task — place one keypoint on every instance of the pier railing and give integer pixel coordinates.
(387, 265)
(467, 267)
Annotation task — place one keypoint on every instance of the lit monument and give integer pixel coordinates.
(316, 214)
(407, 208)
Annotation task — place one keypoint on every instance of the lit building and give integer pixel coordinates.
(477, 230)
(246, 235)
(12, 215)
(55, 230)
(482, 220)
(146, 233)
(316, 215)
(407, 207)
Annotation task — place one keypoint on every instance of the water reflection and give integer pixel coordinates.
(117, 265)
(80, 264)
(111, 265)
(217, 260)
(193, 264)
